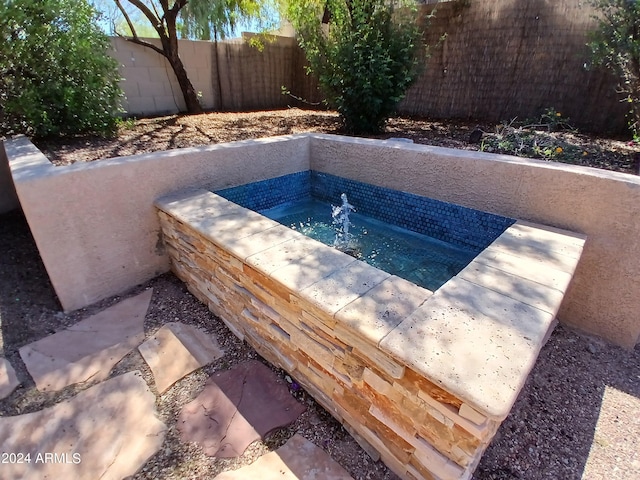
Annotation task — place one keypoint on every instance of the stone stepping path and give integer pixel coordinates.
(237, 407)
(110, 430)
(107, 431)
(8, 379)
(90, 348)
(177, 350)
(298, 459)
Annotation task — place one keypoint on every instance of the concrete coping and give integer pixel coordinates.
(478, 336)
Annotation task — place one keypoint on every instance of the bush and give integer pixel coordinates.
(616, 44)
(55, 74)
(365, 60)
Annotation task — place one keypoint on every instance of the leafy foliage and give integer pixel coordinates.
(365, 58)
(194, 19)
(217, 19)
(55, 74)
(616, 44)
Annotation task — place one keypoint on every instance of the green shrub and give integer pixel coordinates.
(366, 58)
(616, 44)
(55, 74)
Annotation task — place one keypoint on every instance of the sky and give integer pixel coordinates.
(109, 10)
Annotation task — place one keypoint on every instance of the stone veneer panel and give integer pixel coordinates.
(411, 374)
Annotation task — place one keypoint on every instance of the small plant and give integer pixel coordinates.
(615, 44)
(554, 120)
(533, 138)
(125, 123)
(285, 91)
(548, 152)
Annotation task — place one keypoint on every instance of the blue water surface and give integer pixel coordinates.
(421, 259)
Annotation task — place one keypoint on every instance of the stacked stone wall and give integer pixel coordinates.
(418, 429)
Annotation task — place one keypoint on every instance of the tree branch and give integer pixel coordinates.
(156, 22)
(177, 6)
(134, 34)
(134, 39)
(155, 10)
(137, 41)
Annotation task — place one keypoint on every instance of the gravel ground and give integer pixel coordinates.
(578, 416)
(175, 131)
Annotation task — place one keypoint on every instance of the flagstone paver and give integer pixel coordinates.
(106, 432)
(88, 349)
(298, 459)
(176, 350)
(8, 379)
(237, 407)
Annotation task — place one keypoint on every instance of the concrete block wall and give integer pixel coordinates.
(248, 78)
(149, 84)
(490, 60)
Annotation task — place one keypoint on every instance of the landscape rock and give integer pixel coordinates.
(8, 379)
(237, 407)
(298, 459)
(90, 348)
(176, 350)
(107, 431)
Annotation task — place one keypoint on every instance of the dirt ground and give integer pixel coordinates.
(578, 416)
(175, 131)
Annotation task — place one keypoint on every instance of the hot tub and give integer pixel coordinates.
(421, 378)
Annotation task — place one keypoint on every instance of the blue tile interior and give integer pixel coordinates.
(461, 226)
(271, 192)
(457, 225)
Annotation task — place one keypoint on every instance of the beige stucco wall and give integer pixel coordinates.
(94, 223)
(97, 234)
(604, 297)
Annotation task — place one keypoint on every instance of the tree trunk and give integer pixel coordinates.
(217, 62)
(170, 47)
(188, 92)
(169, 40)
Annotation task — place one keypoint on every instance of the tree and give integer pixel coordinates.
(201, 19)
(365, 53)
(616, 44)
(217, 19)
(56, 76)
(163, 18)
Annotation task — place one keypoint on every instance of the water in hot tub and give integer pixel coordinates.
(421, 259)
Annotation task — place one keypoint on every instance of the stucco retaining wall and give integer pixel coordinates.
(604, 297)
(97, 233)
(94, 223)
